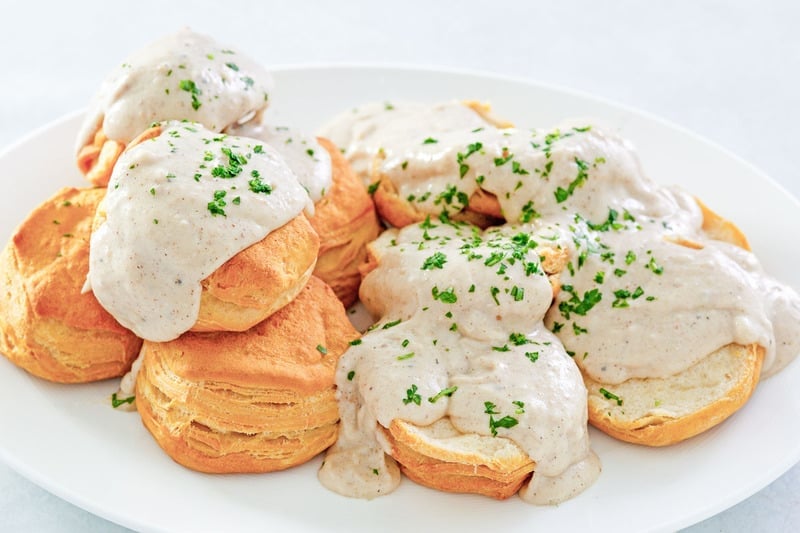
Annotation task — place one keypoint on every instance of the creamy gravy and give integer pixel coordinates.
(661, 306)
(362, 132)
(178, 206)
(460, 336)
(185, 75)
(310, 162)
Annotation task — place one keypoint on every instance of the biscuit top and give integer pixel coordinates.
(178, 206)
(185, 75)
(51, 251)
(308, 159)
(648, 291)
(461, 336)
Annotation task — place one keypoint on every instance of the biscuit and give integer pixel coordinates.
(440, 457)
(47, 325)
(345, 221)
(255, 401)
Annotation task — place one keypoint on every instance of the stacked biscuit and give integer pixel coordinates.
(250, 386)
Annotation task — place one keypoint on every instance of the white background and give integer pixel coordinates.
(728, 70)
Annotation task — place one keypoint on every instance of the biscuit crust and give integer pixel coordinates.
(48, 326)
(345, 220)
(253, 401)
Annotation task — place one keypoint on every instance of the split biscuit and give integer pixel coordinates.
(441, 457)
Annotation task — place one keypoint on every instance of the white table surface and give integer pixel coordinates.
(729, 70)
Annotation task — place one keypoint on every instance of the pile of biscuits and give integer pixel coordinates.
(250, 388)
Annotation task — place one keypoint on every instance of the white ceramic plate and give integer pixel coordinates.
(69, 440)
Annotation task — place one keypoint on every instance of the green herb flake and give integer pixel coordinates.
(437, 260)
(412, 396)
(447, 296)
(610, 396)
(190, 87)
(116, 401)
(442, 393)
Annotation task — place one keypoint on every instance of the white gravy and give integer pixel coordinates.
(360, 132)
(691, 301)
(185, 75)
(460, 336)
(646, 293)
(310, 162)
(178, 206)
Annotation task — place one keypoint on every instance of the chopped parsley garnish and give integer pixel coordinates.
(495, 291)
(412, 396)
(373, 187)
(505, 422)
(234, 168)
(610, 396)
(321, 349)
(577, 305)
(351, 375)
(190, 87)
(447, 296)
(258, 186)
(437, 260)
(562, 194)
(518, 293)
(216, 205)
(518, 339)
(500, 161)
(654, 267)
(117, 401)
(232, 66)
(430, 140)
(444, 392)
(532, 356)
(355, 342)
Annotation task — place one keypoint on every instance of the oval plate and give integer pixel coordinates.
(67, 438)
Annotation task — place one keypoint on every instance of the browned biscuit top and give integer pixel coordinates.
(51, 248)
(295, 349)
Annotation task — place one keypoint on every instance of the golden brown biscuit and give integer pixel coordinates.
(255, 401)
(441, 457)
(664, 411)
(96, 160)
(47, 326)
(257, 281)
(483, 209)
(345, 221)
(260, 279)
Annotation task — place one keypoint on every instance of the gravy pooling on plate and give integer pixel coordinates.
(187, 189)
